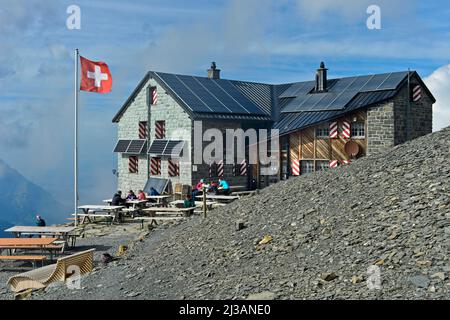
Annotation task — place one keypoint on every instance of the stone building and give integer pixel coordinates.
(322, 123)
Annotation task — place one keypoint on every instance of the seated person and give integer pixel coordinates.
(197, 188)
(213, 187)
(189, 202)
(131, 195)
(117, 199)
(141, 195)
(153, 192)
(39, 221)
(223, 188)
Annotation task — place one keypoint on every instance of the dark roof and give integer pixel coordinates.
(297, 104)
(293, 121)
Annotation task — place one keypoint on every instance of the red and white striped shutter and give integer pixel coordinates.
(345, 162)
(174, 168)
(243, 168)
(154, 96)
(133, 164)
(143, 130)
(295, 167)
(333, 130)
(220, 168)
(333, 164)
(160, 129)
(346, 129)
(212, 169)
(155, 166)
(416, 93)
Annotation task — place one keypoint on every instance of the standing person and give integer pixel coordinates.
(141, 195)
(223, 188)
(117, 199)
(39, 221)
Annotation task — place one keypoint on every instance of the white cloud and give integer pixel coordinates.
(439, 84)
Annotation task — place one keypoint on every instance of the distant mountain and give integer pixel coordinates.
(21, 200)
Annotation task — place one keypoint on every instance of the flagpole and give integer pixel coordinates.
(76, 139)
(408, 109)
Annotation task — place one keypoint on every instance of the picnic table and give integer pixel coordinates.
(164, 210)
(133, 203)
(159, 199)
(110, 212)
(57, 232)
(179, 203)
(27, 243)
(219, 198)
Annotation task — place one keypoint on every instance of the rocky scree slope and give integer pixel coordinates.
(390, 210)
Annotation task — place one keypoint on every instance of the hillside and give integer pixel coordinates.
(21, 200)
(328, 231)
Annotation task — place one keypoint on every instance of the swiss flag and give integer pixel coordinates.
(95, 76)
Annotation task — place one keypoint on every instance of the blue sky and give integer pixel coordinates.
(261, 40)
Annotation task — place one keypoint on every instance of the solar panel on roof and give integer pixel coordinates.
(375, 82)
(122, 145)
(184, 93)
(297, 89)
(242, 100)
(223, 97)
(393, 81)
(204, 94)
(136, 146)
(158, 146)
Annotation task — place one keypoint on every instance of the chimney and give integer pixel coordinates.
(321, 78)
(213, 72)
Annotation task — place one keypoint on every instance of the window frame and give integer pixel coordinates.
(363, 127)
(326, 164)
(324, 128)
(302, 171)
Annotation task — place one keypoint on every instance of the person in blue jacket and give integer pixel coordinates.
(223, 188)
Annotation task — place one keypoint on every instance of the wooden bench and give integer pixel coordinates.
(241, 194)
(33, 259)
(153, 220)
(60, 271)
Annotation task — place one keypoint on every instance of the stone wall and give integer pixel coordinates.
(201, 171)
(386, 122)
(178, 127)
(380, 127)
(421, 117)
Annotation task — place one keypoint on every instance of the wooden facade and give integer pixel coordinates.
(305, 145)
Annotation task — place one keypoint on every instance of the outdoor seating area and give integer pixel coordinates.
(159, 201)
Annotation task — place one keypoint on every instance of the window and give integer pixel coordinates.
(143, 130)
(323, 132)
(322, 165)
(155, 166)
(160, 129)
(307, 166)
(133, 163)
(174, 168)
(358, 130)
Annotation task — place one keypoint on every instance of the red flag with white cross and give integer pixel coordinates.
(95, 76)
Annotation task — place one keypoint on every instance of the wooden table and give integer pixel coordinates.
(112, 211)
(56, 232)
(27, 243)
(199, 204)
(160, 200)
(219, 198)
(164, 210)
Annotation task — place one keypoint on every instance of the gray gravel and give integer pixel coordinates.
(331, 233)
